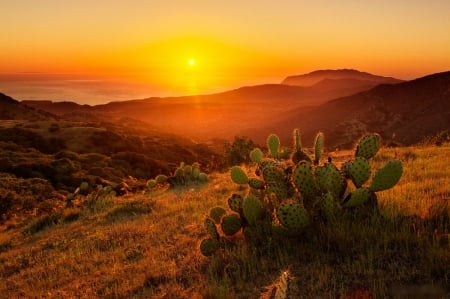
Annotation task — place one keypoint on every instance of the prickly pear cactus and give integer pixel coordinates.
(179, 172)
(196, 173)
(235, 203)
(252, 209)
(216, 213)
(238, 175)
(187, 170)
(161, 178)
(330, 207)
(329, 179)
(273, 143)
(279, 189)
(256, 183)
(297, 140)
(202, 177)
(230, 224)
(359, 171)
(387, 177)
(151, 183)
(318, 148)
(292, 216)
(209, 246)
(211, 228)
(304, 180)
(256, 155)
(289, 195)
(357, 197)
(368, 146)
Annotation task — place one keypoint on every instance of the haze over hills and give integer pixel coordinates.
(328, 104)
(224, 114)
(407, 111)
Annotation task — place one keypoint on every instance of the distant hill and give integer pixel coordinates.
(204, 117)
(11, 109)
(336, 105)
(407, 111)
(37, 144)
(357, 77)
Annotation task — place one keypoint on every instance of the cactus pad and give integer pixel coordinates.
(235, 203)
(273, 143)
(368, 146)
(329, 179)
(330, 207)
(202, 177)
(187, 170)
(304, 180)
(267, 163)
(161, 178)
(179, 172)
(256, 184)
(209, 246)
(318, 147)
(256, 155)
(274, 174)
(238, 175)
(231, 224)
(297, 140)
(211, 228)
(216, 213)
(357, 197)
(292, 216)
(151, 183)
(252, 209)
(387, 176)
(280, 190)
(195, 173)
(359, 171)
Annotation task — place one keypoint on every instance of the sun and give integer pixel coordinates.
(191, 62)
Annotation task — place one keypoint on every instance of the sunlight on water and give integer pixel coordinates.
(100, 90)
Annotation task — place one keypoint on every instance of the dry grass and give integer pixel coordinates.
(146, 246)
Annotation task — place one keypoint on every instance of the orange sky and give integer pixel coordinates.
(229, 40)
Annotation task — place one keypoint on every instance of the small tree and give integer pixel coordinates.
(238, 152)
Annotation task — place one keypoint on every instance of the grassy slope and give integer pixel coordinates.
(147, 246)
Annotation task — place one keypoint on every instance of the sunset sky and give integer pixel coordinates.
(218, 43)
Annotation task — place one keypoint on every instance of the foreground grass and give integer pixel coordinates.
(147, 246)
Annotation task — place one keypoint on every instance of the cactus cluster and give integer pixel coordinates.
(288, 195)
(183, 175)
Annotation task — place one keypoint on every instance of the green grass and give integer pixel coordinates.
(146, 246)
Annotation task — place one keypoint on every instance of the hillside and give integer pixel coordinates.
(329, 104)
(11, 109)
(60, 153)
(406, 112)
(147, 246)
(242, 110)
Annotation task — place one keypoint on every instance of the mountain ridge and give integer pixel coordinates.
(406, 112)
(256, 111)
(314, 77)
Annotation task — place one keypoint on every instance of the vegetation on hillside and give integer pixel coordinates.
(147, 246)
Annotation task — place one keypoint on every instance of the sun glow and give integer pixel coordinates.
(191, 62)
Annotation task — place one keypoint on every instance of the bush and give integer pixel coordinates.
(238, 152)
